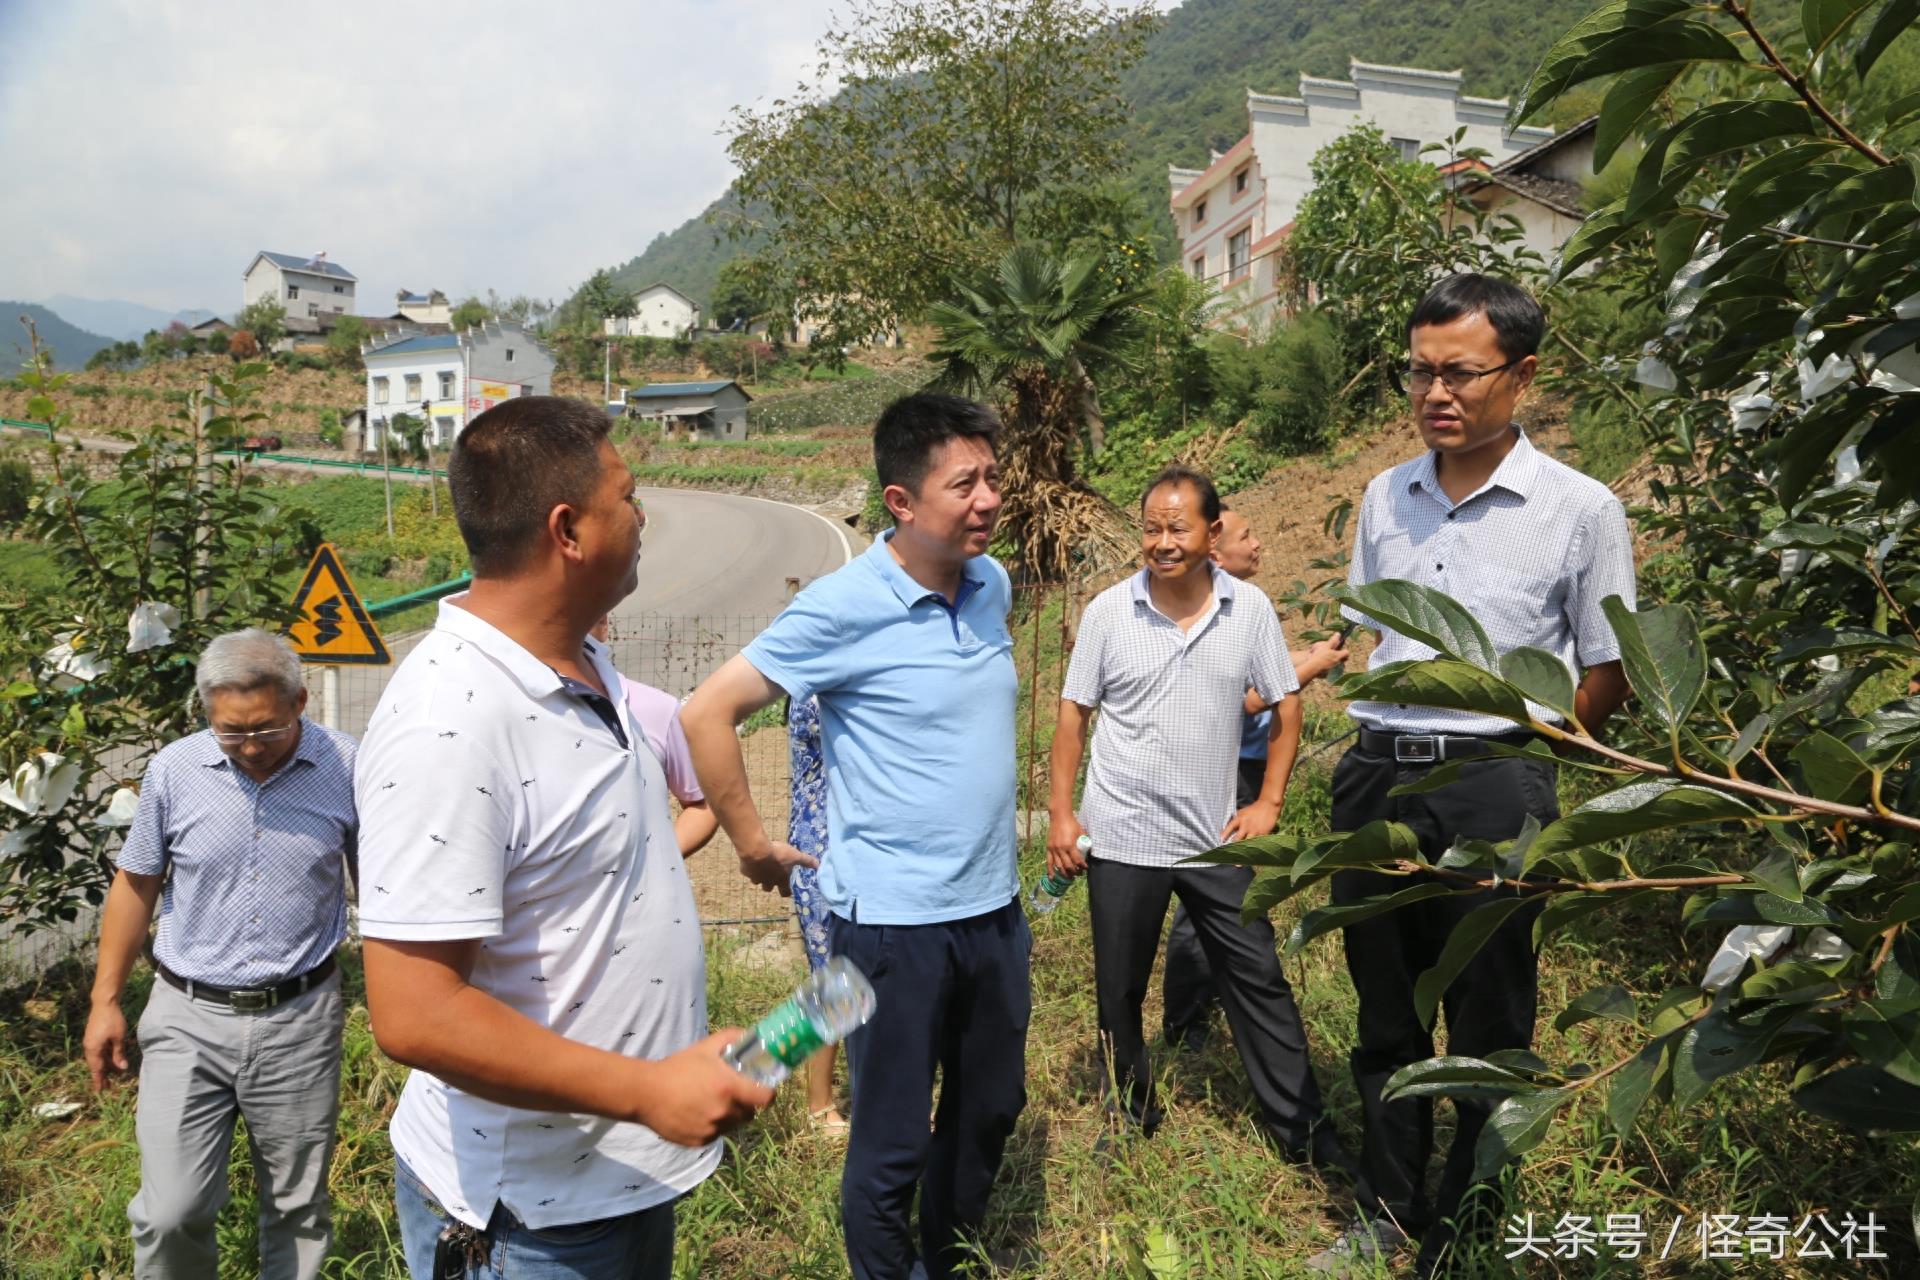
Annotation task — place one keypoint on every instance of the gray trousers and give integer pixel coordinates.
(202, 1065)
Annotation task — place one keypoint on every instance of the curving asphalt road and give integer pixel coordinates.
(714, 569)
(708, 554)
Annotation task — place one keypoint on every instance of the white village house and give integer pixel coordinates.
(307, 288)
(1540, 188)
(1232, 215)
(430, 307)
(450, 378)
(659, 311)
(691, 410)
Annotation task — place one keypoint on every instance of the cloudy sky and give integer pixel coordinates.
(150, 147)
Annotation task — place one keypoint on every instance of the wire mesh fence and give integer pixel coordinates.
(674, 653)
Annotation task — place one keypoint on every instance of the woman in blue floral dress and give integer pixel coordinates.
(807, 832)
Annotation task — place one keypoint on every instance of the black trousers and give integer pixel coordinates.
(1128, 905)
(1490, 1006)
(1186, 985)
(952, 998)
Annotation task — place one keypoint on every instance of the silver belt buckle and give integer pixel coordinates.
(1416, 748)
(250, 1001)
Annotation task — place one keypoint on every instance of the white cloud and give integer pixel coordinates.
(152, 146)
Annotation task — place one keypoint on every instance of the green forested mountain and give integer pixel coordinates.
(1189, 92)
(71, 346)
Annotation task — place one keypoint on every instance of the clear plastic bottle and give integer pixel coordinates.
(823, 1010)
(1053, 887)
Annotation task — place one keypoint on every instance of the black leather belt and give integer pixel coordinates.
(1435, 748)
(249, 999)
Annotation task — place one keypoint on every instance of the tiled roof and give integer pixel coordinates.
(1523, 159)
(417, 343)
(672, 390)
(320, 267)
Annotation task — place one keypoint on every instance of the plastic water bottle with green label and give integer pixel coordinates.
(1053, 886)
(823, 1010)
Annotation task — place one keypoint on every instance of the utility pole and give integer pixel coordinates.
(426, 437)
(606, 372)
(202, 482)
(386, 473)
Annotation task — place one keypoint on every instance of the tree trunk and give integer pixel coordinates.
(1095, 424)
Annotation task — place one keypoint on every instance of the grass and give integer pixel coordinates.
(1205, 1198)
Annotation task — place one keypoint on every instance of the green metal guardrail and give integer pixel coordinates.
(377, 608)
(338, 464)
(426, 595)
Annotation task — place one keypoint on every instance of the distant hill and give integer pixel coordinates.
(117, 318)
(1189, 93)
(689, 257)
(71, 346)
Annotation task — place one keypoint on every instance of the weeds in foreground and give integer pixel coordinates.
(1205, 1198)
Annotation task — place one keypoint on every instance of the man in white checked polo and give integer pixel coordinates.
(1169, 657)
(1531, 548)
(532, 946)
(242, 840)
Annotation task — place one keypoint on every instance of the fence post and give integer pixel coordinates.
(330, 696)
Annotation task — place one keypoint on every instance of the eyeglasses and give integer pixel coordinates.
(1420, 381)
(260, 735)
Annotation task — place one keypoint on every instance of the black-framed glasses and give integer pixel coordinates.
(1420, 381)
(258, 735)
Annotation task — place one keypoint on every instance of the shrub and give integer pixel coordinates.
(1284, 388)
(16, 490)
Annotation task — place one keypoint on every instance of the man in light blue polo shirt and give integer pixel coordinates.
(908, 652)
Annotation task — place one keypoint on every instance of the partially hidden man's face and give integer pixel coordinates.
(1237, 551)
(1480, 412)
(609, 527)
(268, 714)
(959, 499)
(1176, 537)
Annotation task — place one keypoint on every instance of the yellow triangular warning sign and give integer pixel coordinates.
(333, 626)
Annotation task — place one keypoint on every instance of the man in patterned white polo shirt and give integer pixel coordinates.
(1531, 548)
(1169, 657)
(532, 946)
(243, 836)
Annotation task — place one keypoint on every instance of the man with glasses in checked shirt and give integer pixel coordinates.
(243, 838)
(1530, 547)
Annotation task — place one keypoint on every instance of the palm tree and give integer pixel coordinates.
(1032, 330)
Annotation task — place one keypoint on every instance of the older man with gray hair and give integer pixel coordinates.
(242, 838)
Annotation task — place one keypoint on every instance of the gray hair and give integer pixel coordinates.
(243, 661)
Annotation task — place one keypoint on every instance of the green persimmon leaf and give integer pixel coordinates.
(1323, 919)
(1541, 676)
(1439, 682)
(1864, 1097)
(1463, 944)
(1612, 1003)
(1634, 810)
(1424, 615)
(1453, 1077)
(1515, 1128)
(1665, 661)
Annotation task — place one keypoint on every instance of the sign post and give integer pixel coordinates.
(333, 628)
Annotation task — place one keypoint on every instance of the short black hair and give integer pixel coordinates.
(913, 427)
(1517, 320)
(1178, 473)
(512, 466)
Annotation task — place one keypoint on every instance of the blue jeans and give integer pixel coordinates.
(634, 1246)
